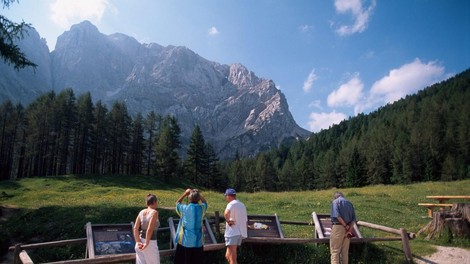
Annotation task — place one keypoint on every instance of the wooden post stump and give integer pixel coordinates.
(454, 223)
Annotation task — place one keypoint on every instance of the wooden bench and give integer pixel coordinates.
(431, 206)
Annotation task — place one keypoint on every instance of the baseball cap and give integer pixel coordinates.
(230, 192)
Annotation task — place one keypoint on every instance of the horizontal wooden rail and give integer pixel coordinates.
(120, 257)
(385, 229)
(275, 240)
(296, 223)
(52, 243)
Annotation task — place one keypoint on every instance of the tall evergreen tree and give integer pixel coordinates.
(65, 121)
(166, 150)
(40, 117)
(83, 138)
(150, 129)
(119, 137)
(137, 145)
(235, 173)
(196, 164)
(216, 180)
(11, 122)
(355, 173)
(100, 140)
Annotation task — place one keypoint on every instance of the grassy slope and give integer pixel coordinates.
(55, 208)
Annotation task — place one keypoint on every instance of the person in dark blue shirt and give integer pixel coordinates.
(343, 218)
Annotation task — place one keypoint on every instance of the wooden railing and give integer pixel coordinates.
(21, 255)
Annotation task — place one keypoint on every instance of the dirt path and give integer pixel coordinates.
(446, 255)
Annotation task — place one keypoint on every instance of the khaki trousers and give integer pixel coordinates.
(339, 245)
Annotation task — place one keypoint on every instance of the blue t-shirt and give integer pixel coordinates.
(340, 207)
(189, 232)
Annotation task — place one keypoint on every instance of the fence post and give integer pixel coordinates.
(406, 245)
(16, 254)
(217, 223)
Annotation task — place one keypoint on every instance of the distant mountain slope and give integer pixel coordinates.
(236, 110)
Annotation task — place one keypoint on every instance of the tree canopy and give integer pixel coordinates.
(10, 33)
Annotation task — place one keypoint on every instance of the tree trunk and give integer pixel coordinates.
(454, 223)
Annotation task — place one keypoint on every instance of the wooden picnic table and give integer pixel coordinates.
(445, 198)
(442, 202)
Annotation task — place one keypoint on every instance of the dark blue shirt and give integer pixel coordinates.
(340, 207)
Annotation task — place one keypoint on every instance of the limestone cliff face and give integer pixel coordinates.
(26, 84)
(236, 110)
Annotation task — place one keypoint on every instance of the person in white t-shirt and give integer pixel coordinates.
(236, 225)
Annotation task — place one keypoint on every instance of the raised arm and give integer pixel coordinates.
(185, 194)
(202, 198)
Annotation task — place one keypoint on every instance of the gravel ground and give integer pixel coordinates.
(446, 255)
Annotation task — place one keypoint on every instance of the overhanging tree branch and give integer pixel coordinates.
(9, 33)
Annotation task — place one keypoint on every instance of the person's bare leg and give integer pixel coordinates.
(231, 254)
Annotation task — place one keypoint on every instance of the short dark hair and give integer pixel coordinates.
(151, 198)
(338, 194)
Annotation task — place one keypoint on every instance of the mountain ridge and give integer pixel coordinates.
(237, 111)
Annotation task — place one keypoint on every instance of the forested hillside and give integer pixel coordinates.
(422, 137)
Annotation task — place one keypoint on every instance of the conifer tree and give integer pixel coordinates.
(137, 145)
(196, 163)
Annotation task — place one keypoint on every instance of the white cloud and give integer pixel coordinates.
(315, 104)
(408, 79)
(305, 28)
(213, 31)
(68, 12)
(347, 94)
(361, 15)
(319, 121)
(308, 83)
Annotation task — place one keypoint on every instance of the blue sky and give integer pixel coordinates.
(331, 58)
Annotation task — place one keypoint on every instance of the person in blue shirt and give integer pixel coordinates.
(343, 218)
(189, 238)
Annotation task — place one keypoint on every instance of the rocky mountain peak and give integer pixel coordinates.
(237, 111)
(241, 76)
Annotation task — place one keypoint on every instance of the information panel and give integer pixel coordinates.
(107, 239)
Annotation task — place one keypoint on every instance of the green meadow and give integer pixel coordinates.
(57, 208)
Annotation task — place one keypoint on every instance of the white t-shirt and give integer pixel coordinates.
(238, 214)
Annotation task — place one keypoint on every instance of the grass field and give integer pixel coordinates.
(57, 208)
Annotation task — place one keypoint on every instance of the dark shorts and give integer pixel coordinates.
(185, 255)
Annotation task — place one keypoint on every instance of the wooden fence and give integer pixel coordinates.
(21, 255)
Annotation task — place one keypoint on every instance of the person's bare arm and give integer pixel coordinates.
(185, 194)
(149, 232)
(136, 232)
(227, 217)
(202, 198)
(343, 223)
